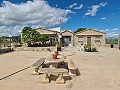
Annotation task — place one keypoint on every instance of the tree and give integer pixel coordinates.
(1, 40)
(80, 29)
(44, 38)
(30, 35)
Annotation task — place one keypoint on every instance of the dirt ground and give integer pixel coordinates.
(98, 71)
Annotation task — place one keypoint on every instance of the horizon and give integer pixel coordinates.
(100, 15)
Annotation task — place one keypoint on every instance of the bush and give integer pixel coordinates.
(94, 49)
(88, 48)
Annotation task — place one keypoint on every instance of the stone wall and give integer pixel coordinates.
(93, 34)
(5, 50)
(35, 49)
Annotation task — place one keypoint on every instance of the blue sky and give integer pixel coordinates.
(101, 15)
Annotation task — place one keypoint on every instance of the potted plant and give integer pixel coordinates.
(54, 56)
(58, 46)
(56, 52)
(87, 47)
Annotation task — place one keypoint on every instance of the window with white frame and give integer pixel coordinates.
(81, 39)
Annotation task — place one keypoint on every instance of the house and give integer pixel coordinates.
(86, 36)
(52, 34)
(90, 36)
(67, 37)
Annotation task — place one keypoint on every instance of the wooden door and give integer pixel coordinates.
(88, 40)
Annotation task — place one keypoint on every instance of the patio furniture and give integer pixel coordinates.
(72, 68)
(37, 64)
(53, 62)
(59, 72)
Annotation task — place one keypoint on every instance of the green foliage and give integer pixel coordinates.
(112, 42)
(80, 29)
(94, 49)
(1, 40)
(30, 35)
(88, 48)
(59, 44)
(44, 38)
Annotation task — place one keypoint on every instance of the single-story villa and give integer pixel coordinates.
(51, 33)
(90, 36)
(86, 36)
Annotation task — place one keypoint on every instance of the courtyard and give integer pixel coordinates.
(98, 70)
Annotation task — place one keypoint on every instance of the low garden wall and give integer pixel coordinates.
(35, 49)
(5, 50)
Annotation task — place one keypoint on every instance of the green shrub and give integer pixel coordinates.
(94, 49)
(88, 48)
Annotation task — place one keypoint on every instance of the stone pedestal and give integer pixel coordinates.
(45, 79)
(35, 72)
(72, 72)
(60, 79)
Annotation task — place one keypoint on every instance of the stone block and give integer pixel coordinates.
(60, 81)
(45, 79)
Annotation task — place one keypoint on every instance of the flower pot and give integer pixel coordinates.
(56, 52)
(54, 56)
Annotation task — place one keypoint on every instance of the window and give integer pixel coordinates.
(80, 39)
(98, 39)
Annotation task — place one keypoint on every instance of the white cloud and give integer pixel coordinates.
(114, 29)
(106, 30)
(36, 12)
(103, 18)
(102, 4)
(71, 6)
(95, 8)
(112, 34)
(79, 7)
(15, 30)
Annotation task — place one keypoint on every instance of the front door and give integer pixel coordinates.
(88, 40)
(66, 40)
